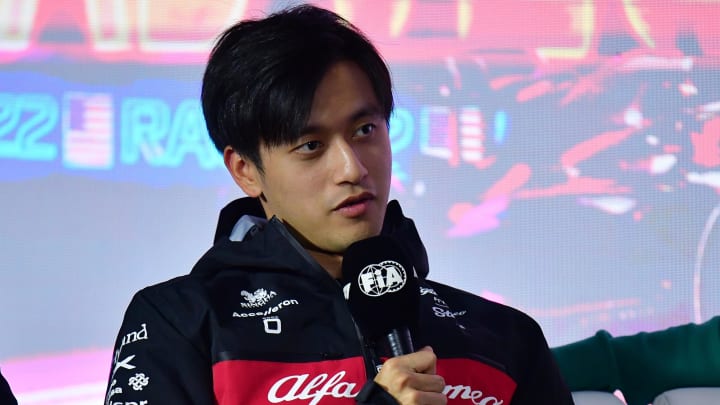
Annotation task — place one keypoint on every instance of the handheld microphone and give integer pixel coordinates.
(382, 292)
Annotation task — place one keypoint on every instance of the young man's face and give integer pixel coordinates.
(331, 186)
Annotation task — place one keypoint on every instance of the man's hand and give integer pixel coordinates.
(411, 379)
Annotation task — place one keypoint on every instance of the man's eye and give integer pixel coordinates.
(365, 130)
(309, 147)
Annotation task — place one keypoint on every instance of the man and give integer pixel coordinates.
(299, 105)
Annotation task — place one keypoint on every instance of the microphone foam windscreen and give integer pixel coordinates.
(380, 286)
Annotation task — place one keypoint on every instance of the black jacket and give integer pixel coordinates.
(6, 396)
(258, 321)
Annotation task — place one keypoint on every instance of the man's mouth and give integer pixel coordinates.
(355, 200)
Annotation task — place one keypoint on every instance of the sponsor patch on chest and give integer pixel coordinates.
(338, 382)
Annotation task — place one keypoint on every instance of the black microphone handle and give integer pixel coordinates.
(400, 342)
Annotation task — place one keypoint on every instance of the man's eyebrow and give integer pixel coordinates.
(366, 111)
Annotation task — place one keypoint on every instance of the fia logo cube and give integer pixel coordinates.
(378, 279)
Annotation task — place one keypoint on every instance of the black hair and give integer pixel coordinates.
(262, 75)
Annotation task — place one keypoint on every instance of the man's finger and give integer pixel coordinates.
(427, 382)
(422, 361)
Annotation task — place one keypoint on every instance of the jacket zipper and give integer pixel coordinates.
(372, 362)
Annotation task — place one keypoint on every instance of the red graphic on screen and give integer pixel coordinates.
(706, 144)
(564, 32)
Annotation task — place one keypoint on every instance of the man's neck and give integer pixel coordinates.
(332, 263)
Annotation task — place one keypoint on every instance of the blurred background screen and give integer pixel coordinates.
(561, 157)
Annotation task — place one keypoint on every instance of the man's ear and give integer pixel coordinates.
(243, 171)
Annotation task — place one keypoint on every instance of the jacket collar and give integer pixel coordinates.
(256, 251)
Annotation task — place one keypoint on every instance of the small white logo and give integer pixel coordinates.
(271, 310)
(257, 299)
(139, 381)
(124, 363)
(273, 325)
(446, 313)
(385, 277)
(426, 290)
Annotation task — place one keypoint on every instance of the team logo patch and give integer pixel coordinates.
(256, 299)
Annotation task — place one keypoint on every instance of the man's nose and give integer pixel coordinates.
(348, 165)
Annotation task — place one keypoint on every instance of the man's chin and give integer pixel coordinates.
(369, 233)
